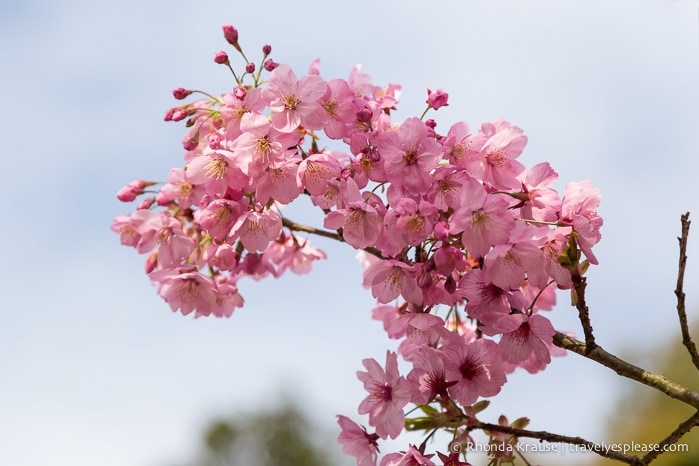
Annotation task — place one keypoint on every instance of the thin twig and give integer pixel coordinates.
(671, 439)
(557, 438)
(679, 292)
(291, 225)
(628, 370)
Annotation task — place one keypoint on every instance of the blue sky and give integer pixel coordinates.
(95, 369)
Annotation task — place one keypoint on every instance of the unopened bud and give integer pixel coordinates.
(231, 35)
(250, 67)
(214, 140)
(441, 230)
(190, 143)
(266, 49)
(424, 280)
(364, 114)
(221, 58)
(437, 99)
(152, 262)
(431, 123)
(240, 92)
(145, 204)
(450, 284)
(270, 65)
(181, 93)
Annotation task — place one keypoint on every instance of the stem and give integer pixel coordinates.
(557, 438)
(580, 284)
(293, 226)
(679, 292)
(672, 439)
(628, 370)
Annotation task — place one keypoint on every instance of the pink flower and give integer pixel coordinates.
(437, 99)
(523, 336)
(357, 442)
(409, 156)
(218, 217)
(483, 218)
(179, 188)
(412, 457)
(388, 391)
(338, 103)
(290, 253)
(540, 202)
(295, 102)
(186, 291)
(427, 377)
(411, 221)
(129, 192)
(165, 232)
(260, 146)
(217, 171)
(389, 279)
(507, 265)
(359, 220)
(278, 183)
(579, 209)
(476, 368)
(257, 229)
(502, 147)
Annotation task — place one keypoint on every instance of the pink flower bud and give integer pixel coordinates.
(240, 92)
(231, 35)
(450, 284)
(431, 123)
(221, 58)
(151, 262)
(271, 65)
(129, 192)
(441, 230)
(179, 114)
(181, 93)
(190, 143)
(250, 68)
(437, 98)
(266, 49)
(145, 204)
(364, 114)
(214, 141)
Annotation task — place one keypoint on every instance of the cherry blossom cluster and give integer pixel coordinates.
(463, 246)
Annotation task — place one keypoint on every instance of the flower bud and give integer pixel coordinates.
(231, 35)
(214, 140)
(145, 204)
(221, 58)
(441, 230)
(266, 49)
(364, 114)
(270, 65)
(450, 284)
(151, 262)
(437, 99)
(181, 93)
(240, 92)
(190, 143)
(250, 67)
(431, 123)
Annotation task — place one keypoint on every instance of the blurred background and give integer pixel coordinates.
(96, 370)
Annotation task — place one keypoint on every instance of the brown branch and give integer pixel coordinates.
(337, 236)
(580, 284)
(679, 292)
(628, 370)
(557, 438)
(672, 439)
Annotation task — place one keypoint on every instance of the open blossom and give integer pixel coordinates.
(579, 209)
(257, 229)
(357, 442)
(483, 220)
(295, 102)
(409, 155)
(186, 291)
(389, 279)
(504, 145)
(359, 219)
(388, 391)
(523, 336)
(475, 367)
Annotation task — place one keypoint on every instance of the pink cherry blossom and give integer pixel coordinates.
(357, 442)
(359, 219)
(437, 99)
(186, 291)
(295, 102)
(257, 229)
(476, 367)
(482, 219)
(579, 209)
(524, 335)
(409, 156)
(388, 391)
(389, 279)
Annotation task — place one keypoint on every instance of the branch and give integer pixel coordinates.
(672, 439)
(580, 284)
(337, 236)
(556, 438)
(679, 292)
(625, 369)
